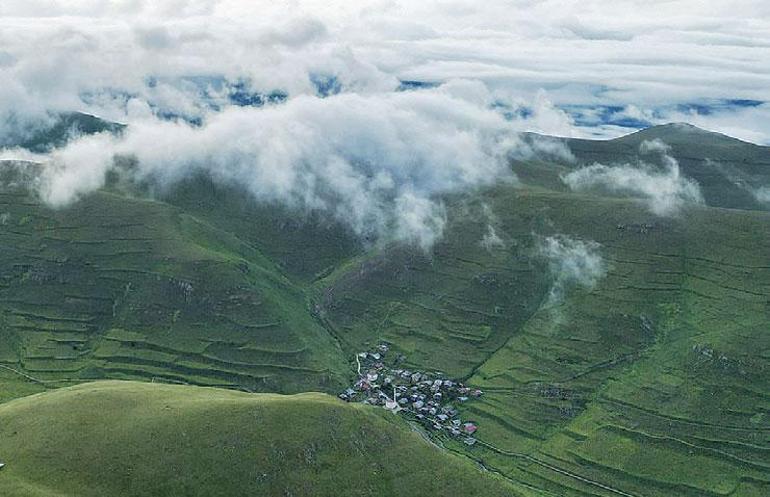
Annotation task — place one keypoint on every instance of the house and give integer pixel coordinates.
(421, 396)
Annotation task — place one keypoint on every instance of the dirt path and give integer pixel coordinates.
(25, 375)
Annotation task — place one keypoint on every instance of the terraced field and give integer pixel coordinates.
(652, 381)
(130, 288)
(659, 370)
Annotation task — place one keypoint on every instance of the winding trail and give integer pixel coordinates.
(30, 378)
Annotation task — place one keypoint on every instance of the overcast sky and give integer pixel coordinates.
(602, 62)
(370, 108)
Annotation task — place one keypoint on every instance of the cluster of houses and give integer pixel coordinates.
(429, 399)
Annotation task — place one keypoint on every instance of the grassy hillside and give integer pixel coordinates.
(303, 245)
(62, 129)
(138, 439)
(119, 287)
(652, 383)
(725, 168)
(655, 378)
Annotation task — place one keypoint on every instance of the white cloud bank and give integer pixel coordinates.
(374, 162)
(665, 189)
(491, 240)
(370, 156)
(572, 262)
(762, 194)
(625, 53)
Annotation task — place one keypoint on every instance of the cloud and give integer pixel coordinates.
(623, 55)
(749, 123)
(491, 240)
(739, 118)
(377, 163)
(664, 188)
(654, 146)
(572, 262)
(89, 156)
(544, 148)
(187, 77)
(756, 185)
(762, 194)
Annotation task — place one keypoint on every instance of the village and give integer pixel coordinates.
(426, 398)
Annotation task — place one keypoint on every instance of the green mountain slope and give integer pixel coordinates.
(664, 362)
(725, 168)
(304, 246)
(137, 439)
(653, 382)
(124, 287)
(60, 130)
